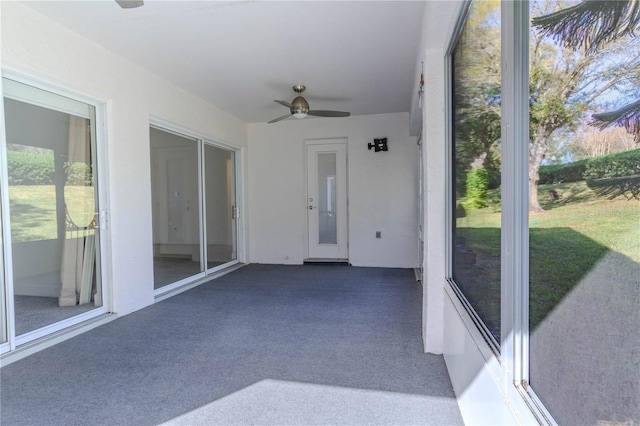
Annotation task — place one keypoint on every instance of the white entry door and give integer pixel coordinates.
(327, 200)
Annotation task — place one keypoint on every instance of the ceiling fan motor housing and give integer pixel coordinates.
(299, 107)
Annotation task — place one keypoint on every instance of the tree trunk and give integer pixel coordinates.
(537, 152)
(534, 204)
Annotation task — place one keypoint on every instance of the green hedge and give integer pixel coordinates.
(35, 168)
(614, 165)
(78, 174)
(477, 185)
(559, 173)
(619, 164)
(30, 168)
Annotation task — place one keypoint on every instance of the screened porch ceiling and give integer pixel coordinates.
(361, 57)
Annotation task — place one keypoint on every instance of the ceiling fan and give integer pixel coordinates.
(129, 4)
(299, 107)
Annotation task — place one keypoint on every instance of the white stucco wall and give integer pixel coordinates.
(435, 202)
(439, 23)
(35, 46)
(382, 189)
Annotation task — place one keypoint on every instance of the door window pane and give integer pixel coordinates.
(476, 157)
(52, 201)
(327, 219)
(220, 194)
(584, 229)
(175, 207)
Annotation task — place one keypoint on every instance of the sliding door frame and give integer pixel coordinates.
(202, 140)
(234, 201)
(174, 130)
(103, 263)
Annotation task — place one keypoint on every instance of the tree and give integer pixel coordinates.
(590, 26)
(477, 94)
(592, 142)
(563, 83)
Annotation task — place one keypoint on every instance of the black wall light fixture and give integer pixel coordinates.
(379, 145)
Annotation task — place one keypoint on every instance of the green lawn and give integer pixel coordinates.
(33, 210)
(566, 241)
(613, 223)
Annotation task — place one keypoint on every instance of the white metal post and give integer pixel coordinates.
(515, 192)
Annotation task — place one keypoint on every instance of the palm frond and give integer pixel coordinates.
(628, 117)
(592, 23)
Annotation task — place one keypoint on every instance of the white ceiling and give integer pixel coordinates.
(357, 56)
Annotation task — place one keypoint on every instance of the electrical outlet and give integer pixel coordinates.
(378, 235)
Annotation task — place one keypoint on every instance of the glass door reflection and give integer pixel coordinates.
(175, 207)
(51, 148)
(220, 207)
(327, 219)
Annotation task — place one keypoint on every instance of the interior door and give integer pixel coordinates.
(175, 190)
(327, 201)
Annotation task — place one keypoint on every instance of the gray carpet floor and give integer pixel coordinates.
(263, 345)
(168, 270)
(33, 312)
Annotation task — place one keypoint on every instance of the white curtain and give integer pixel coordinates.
(71, 272)
(78, 253)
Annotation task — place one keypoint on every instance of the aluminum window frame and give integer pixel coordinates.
(488, 337)
(513, 351)
(515, 192)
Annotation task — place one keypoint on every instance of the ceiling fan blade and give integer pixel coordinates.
(323, 113)
(283, 103)
(129, 4)
(275, 120)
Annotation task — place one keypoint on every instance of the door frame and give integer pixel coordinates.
(15, 343)
(235, 215)
(421, 165)
(327, 142)
(239, 152)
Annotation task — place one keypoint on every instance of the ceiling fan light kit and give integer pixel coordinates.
(299, 107)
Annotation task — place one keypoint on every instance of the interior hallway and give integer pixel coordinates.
(265, 344)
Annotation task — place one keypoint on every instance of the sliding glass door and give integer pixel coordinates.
(176, 207)
(54, 245)
(4, 329)
(194, 209)
(221, 211)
